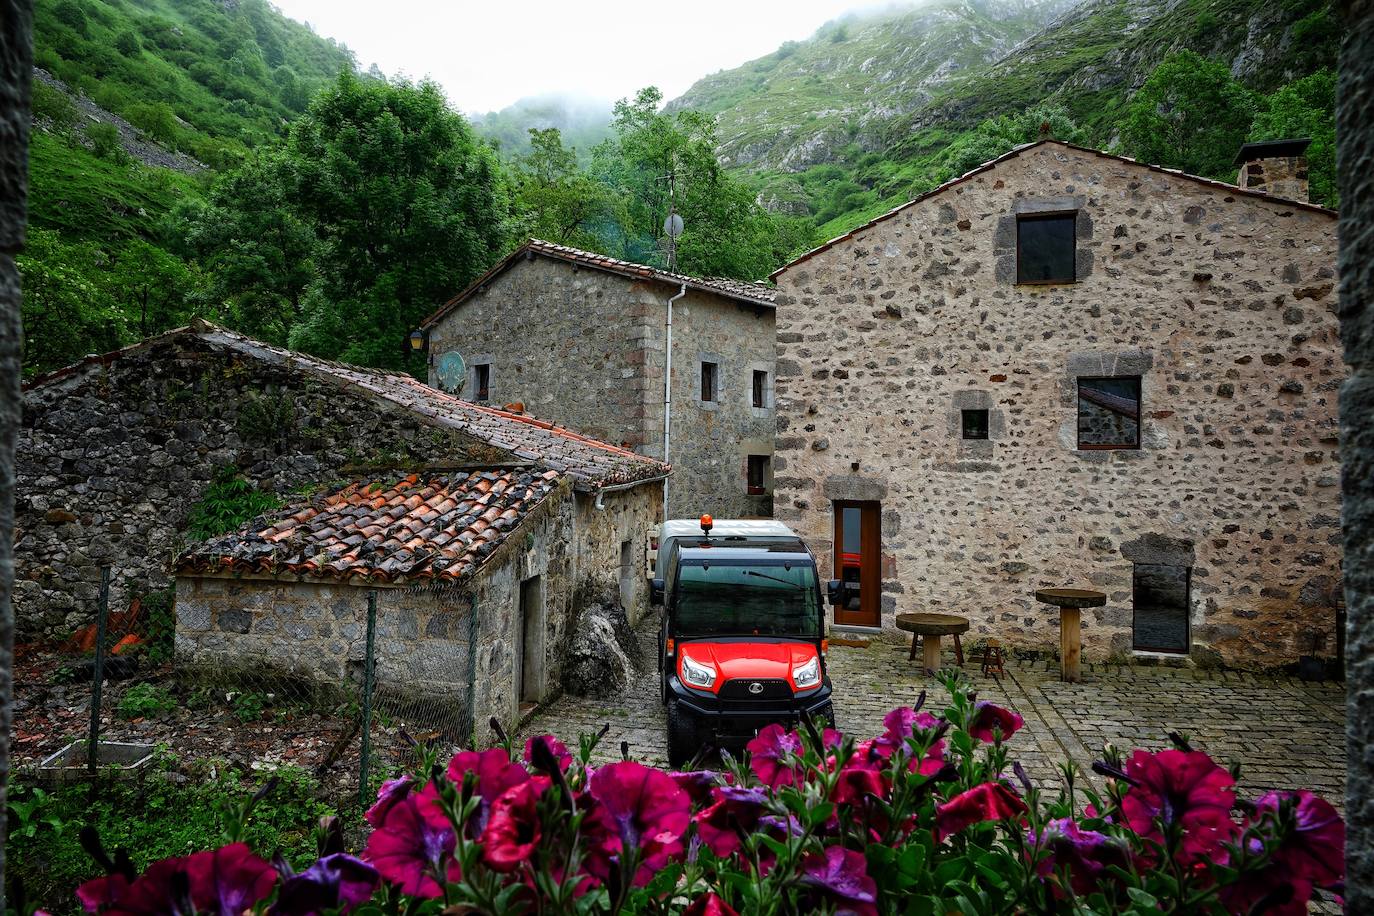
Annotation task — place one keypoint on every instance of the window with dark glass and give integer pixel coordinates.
(710, 372)
(1109, 412)
(481, 381)
(1045, 248)
(758, 475)
(1160, 600)
(975, 424)
(760, 388)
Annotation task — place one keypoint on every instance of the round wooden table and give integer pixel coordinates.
(930, 627)
(1071, 602)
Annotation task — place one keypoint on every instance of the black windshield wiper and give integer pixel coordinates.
(751, 572)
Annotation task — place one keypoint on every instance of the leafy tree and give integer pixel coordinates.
(998, 136)
(1191, 114)
(105, 142)
(1306, 108)
(156, 289)
(558, 201)
(66, 314)
(408, 206)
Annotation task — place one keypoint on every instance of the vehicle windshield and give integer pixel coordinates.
(747, 598)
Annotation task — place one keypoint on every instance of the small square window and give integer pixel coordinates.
(1109, 412)
(710, 374)
(758, 475)
(975, 424)
(1045, 248)
(760, 393)
(481, 381)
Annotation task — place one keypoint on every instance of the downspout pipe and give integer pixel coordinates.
(668, 390)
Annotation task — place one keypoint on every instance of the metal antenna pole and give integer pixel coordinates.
(672, 211)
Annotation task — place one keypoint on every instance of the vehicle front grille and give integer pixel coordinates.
(743, 690)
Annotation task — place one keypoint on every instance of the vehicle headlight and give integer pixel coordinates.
(807, 675)
(697, 675)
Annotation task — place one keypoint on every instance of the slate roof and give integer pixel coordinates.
(590, 463)
(756, 294)
(419, 529)
(1210, 182)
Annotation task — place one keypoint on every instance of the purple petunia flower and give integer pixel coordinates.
(767, 751)
(840, 877)
(335, 882)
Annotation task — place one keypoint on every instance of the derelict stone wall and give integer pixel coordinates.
(565, 341)
(112, 459)
(1222, 303)
(612, 545)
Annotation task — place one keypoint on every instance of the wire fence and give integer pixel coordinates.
(339, 682)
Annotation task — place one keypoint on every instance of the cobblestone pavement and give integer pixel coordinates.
(1285, 733)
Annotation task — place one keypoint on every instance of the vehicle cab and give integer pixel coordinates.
(743, 641)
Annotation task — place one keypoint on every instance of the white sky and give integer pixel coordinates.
(490, 53)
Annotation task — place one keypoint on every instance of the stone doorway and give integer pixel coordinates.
(529, 674)
(858, 551)
(1160, 595)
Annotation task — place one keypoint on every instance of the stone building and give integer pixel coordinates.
(580, 338)
(1067, 367)
(117, 451)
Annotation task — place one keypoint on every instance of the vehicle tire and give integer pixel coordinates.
(683, 744)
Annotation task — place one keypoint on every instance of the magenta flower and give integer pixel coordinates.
(1184, 791)
(392, 791)
(513, 829)
(410, 851)
(900, 725)
(1313, 847)
(496, 773)
(858, 780)
(162, 888)
(640, 808)
(335, 883)
(557, 749)
(768, 752)
(1084, 854)
(989, 717)
(229, 880)
(840, 879)
(990, 801)
(709, 904)
(734, 809)
(696, 783)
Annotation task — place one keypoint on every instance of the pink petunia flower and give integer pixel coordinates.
(638, 808)
(858, 780)
(1183, 790)
(557, 749)
(496, 773)
(410, 851)
(392, 791)
(989, 718)
(768, 751)
(900, 725)
(840, 879)
(733, 809)
(1314, 848)
(229, 880)
(513, 829)
(696, 783)
(709, 904)
(990, 801)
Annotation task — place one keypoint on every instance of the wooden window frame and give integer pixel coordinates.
(1073, 260)
(710, 371)
(1078, 412)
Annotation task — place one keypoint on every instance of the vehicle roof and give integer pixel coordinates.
(728, 552)
(760, 527)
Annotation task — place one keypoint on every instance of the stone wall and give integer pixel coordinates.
(1282, 176)
(1223, 304)
(251, 628)
(612, 545)
(585, 349)
(1355, 168)
(112, 460)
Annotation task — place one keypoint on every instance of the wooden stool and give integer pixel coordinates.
(930, 627)
(992, 659)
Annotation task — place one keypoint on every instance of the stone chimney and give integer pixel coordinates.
(1277, 167)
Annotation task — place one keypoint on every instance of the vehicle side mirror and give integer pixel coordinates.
(656, 591)
(834, 592)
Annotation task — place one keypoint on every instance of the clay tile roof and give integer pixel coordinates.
(591, 463)
(757, 294)
(383, 530)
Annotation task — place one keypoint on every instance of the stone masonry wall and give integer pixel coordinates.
(1222, 303)
(565, 342)
(612, 545)
(111, 462)
(585, 349)
(255, 627)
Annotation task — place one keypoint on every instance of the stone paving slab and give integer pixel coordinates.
(1285, 733)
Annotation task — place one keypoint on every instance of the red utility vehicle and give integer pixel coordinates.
(742, 643)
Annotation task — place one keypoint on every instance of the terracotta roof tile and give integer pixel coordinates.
(384, 531)
(753, 293)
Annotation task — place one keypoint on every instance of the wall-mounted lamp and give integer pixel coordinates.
(418, 341)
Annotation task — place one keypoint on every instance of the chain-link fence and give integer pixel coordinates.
(337, 681)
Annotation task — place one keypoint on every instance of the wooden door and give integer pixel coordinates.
(858, 552)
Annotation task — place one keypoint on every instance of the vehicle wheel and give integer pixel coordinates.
(682, 734)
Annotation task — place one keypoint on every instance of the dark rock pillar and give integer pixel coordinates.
(1355, 167)
(16, 70)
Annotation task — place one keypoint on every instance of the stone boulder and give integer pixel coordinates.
(604, 654)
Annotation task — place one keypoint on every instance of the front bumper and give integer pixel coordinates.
(734, 721)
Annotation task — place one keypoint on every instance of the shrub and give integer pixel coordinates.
(229, 501)
(105, 141)
(143, 700)
(924, 818)
(53, 105)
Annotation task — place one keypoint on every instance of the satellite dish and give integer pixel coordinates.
(452, 372)
(672, 226)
